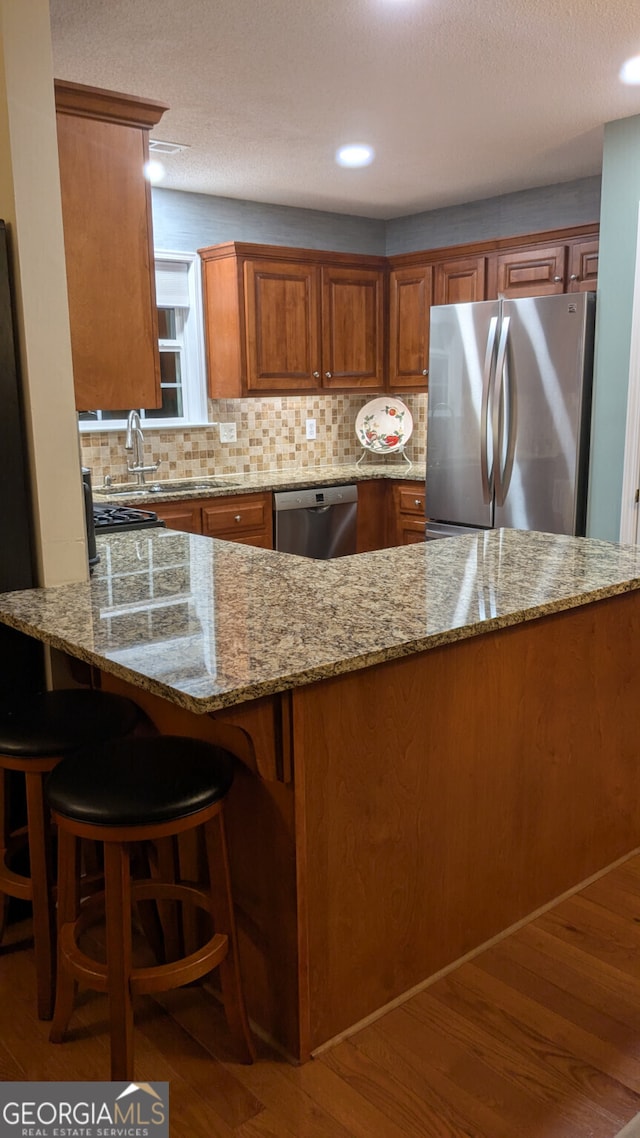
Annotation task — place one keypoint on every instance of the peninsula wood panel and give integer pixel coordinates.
(426, 834)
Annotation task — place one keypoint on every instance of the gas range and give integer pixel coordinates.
(108, 518)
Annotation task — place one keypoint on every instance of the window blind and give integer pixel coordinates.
(172, 284)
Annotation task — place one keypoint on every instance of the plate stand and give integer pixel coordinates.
(367, 450)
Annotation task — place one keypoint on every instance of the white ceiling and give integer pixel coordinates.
(461, 99)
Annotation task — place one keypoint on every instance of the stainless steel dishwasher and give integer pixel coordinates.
(316, 522)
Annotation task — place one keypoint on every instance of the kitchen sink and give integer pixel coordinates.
(180, 485)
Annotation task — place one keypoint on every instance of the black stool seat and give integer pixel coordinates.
(56, 722)
(137, 782)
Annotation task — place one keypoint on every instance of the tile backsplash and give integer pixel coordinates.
(270, 436)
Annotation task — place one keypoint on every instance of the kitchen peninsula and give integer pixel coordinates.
(435, 740)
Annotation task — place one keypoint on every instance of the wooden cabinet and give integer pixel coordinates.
(282, 326)
(556, 261)
(185, 516)
(410, 299)
(373, 521)
(246, 518)
(106, 210)
(583, 266)
(528, 272)
(292, 320)
(459, 280)
(407, 516)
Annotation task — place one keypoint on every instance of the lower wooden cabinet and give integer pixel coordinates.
(389, 513)
(246, 518)
(407, 516)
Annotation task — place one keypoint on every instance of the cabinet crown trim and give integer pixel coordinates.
(109, 106)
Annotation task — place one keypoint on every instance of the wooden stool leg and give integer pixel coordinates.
(118, 916)
(68, 875)
(167, 866)
(224, 922)
(41, 887)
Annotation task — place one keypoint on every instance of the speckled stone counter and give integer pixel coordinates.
(215, 486)
(208, 624)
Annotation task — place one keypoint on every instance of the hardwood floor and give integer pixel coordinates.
(537, 1037)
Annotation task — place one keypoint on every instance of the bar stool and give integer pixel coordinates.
(119, 794)
(35, 734)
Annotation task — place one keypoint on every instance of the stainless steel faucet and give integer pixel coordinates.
(134, 444)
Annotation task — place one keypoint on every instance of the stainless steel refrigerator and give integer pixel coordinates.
(509, 414)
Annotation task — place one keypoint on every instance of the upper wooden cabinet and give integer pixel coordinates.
(531, 265)
(106, 210)
(410, 299)
(459, 280)
(280, 319)
(528, 272)
(583, 265)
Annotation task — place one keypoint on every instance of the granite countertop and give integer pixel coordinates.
(221, 485)
(208, 623)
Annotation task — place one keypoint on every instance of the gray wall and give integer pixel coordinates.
(186, 222)
(616, 269)
(528, 211)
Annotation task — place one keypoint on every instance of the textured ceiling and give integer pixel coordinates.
(461, 99)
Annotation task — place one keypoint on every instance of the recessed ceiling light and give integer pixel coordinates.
(630, 71)
(154, 171)
(355, 154)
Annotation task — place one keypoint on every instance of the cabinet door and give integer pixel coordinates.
(246, 518)
(282, 307)
(352, 328)
(410, 298)
(460, 280)
(106, 211)
(372, 531)
(583, 266)
(528, 272)
(186, 516)
(407, 521)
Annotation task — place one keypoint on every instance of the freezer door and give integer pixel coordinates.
(463, 341)
(542, 410)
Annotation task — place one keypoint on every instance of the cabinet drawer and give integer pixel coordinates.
(237, 515)
(411, 501)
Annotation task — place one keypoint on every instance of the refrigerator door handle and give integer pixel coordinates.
(486, 473)
(501, 378)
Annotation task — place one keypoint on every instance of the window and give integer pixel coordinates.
(182, 373)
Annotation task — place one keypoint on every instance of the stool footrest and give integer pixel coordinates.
(14, 884)
(156, 977)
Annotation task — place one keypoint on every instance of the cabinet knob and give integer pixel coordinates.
(327, 374)
(238, 518)
(417, 502)
(557, 279)
(574, 277)
(316, 375)
(425, 371)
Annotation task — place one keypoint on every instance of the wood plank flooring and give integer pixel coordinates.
(537, 1037)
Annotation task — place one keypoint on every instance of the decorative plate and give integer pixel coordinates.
(384, 425)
